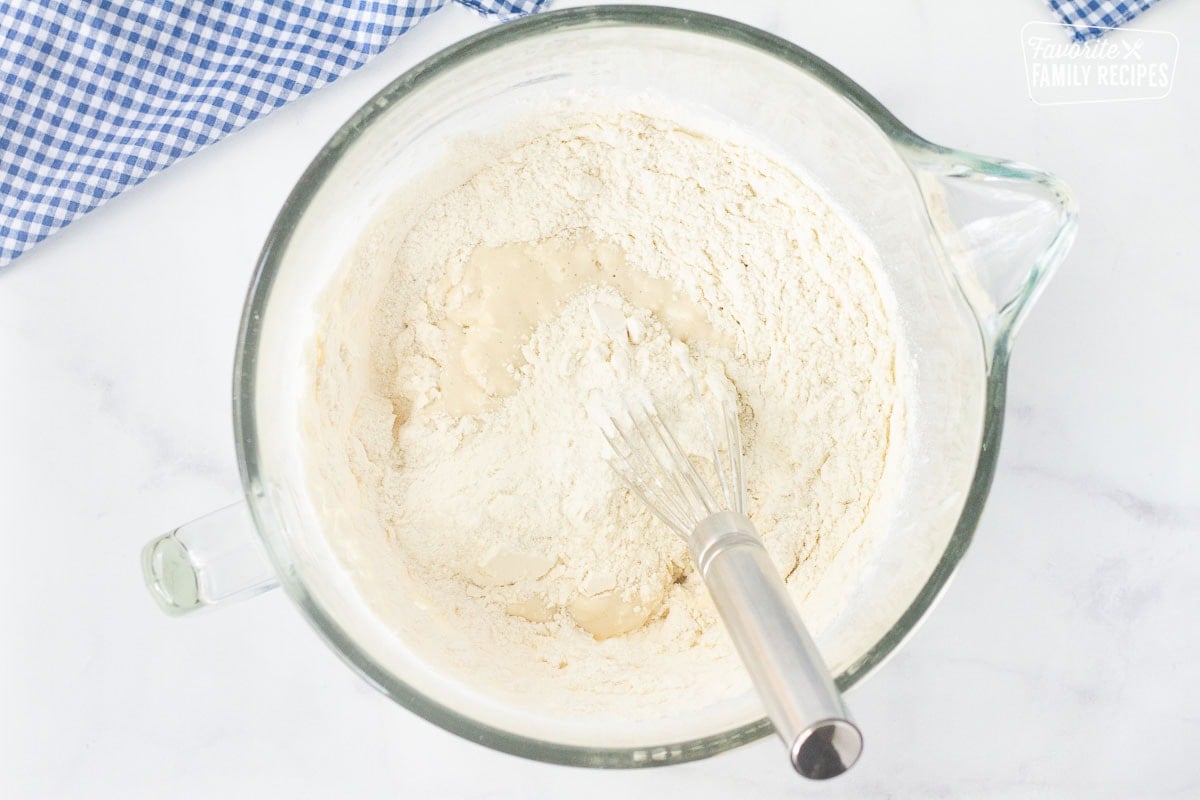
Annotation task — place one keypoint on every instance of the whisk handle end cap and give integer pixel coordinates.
(826, 749)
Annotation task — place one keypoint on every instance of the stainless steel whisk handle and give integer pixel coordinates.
(782, 659)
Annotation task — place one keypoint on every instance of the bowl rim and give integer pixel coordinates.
(258, 297)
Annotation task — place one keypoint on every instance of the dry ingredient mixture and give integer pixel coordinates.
(466, 487)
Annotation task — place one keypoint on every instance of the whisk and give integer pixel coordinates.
(792, 680)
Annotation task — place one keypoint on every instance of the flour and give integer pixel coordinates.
(457, 356)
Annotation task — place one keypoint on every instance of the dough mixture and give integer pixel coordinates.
(464, 484)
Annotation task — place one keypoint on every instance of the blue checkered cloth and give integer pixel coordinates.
(1091, 18)
(97, 96)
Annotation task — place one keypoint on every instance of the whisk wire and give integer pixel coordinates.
(733, 435)
(664, 462)
(680, 464)
(653, 463)
(726, 488)
(663, 503)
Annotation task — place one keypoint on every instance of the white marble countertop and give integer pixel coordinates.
(1060, 663)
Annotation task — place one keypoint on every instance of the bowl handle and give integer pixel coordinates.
(1004, 228)
(214, 559)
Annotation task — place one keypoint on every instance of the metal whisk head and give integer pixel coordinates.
(796, 687)
(650, 460)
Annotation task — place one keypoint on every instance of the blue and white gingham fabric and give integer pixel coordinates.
(1091, 18)
(97, 95)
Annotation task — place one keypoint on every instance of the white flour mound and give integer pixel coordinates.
(464, 484)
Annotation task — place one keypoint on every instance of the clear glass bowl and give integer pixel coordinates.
(966, 242)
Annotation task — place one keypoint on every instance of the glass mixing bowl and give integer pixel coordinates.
(966, 243)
